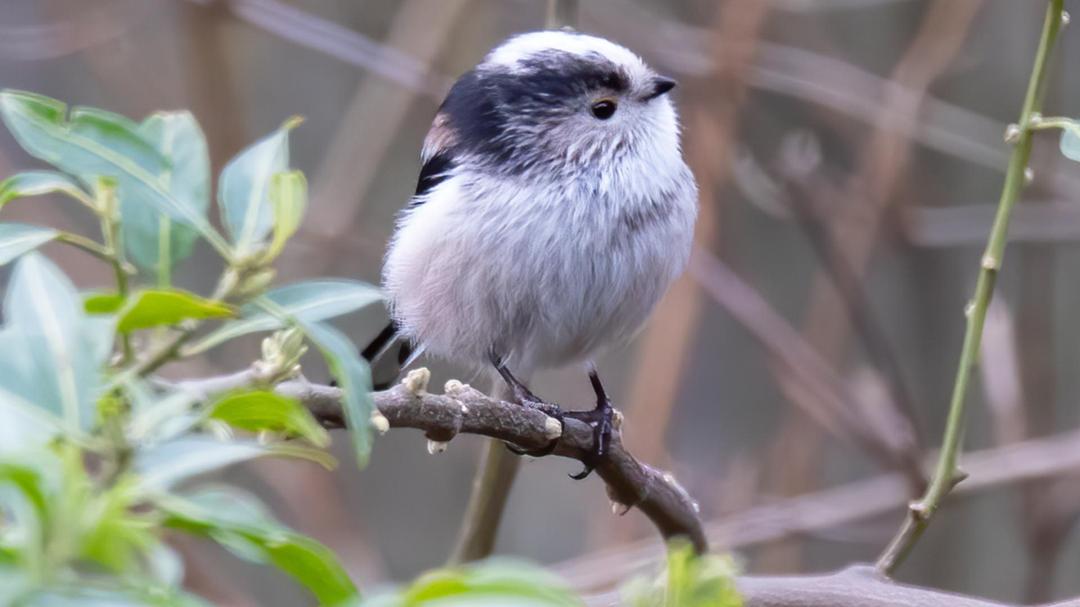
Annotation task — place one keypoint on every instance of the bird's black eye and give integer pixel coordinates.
(604, 109)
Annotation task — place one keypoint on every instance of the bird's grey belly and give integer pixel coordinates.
(539, 294)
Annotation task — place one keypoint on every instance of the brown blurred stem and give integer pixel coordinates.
(561, 13)
(921, 511)
(487, 501)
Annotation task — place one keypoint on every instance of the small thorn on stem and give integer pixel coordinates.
(959, 476)
(919, 510)
(1012, 134)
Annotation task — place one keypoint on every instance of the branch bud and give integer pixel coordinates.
(416, 382)
(379, 422)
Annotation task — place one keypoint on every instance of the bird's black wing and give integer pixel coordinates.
(386, 355)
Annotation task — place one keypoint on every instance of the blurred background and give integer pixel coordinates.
(849, 155)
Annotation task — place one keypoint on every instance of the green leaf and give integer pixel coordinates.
(26, 507)
(36, 183)
(95, 143)
(689, 581)
(17, 239)
(288, 196)
(1070, 140)
(55, 354)
(119, 134)
(167, 464)
(23, 425)
(148, 309)
(28, 481)
(159, 242)
(165, 565)
(113, 536)
(493, 583)
(233, 518)
(354, 379)
(88, 596)
(14, 584)
(258, 410)
(308, 301)
(103, 303)
(244, 189)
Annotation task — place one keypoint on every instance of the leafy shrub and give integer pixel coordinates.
(97, 454)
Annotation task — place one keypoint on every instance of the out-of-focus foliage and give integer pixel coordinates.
(688, 581)
(495, 583)
(1070, 141)
(96, 456)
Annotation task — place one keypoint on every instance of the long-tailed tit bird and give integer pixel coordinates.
(552, 212)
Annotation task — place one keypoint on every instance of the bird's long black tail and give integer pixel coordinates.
(387, 355)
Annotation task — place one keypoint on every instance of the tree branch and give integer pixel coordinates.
(464, 410)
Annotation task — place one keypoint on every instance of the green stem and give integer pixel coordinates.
(945, 475)
(1052, 122)
(487, 500)
(230, 280)
(164, 260)
(93, 248)
(106, 203)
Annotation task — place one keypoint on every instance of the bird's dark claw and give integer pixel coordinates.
(601, 420)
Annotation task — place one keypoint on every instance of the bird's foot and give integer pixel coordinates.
(601, 420)
(527, 399)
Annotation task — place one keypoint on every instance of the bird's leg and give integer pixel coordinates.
(526, 398)
(600, 419)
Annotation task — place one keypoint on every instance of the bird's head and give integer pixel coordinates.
(549, 100)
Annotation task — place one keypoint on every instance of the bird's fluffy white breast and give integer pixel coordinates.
(542, 275)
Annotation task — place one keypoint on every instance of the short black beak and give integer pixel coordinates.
(661, 85)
